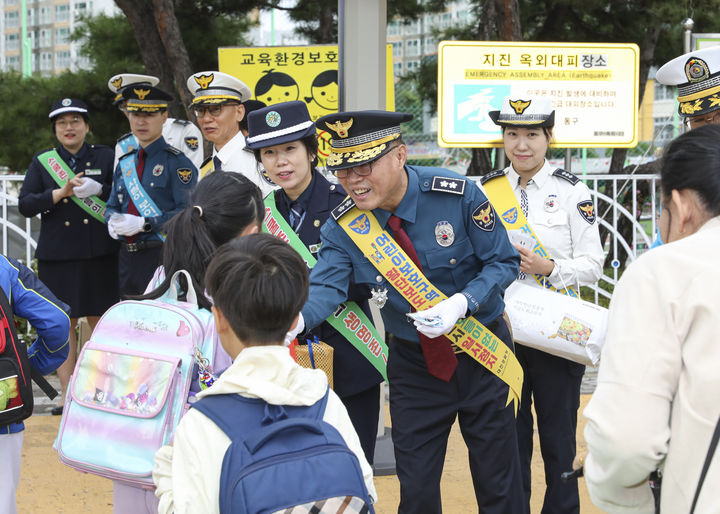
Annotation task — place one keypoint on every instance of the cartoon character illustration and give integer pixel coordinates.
(275, 87)
(324, 90)
(573, 331)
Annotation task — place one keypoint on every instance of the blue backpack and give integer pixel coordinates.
(282, 457)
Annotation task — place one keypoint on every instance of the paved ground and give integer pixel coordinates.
(49, 486)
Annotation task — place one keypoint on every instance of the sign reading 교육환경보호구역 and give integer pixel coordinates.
(593, 88)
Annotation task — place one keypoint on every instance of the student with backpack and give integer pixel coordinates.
(222, 207)
(265, 400)
(22, 294)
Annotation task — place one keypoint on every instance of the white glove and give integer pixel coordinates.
(111, 228)
(294, 331)
(89, 187)
(444, 315)
(128, 225)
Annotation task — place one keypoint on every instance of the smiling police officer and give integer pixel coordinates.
(421, 237)
(150, 185)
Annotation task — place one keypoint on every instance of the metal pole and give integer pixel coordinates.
(341, 55)
(26, 51)
(568, 159)
(687, 25)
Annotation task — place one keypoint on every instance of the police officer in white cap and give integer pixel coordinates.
(218, 104)
(181, 134)
(696, 74)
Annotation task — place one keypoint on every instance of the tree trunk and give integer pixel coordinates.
(169, 32)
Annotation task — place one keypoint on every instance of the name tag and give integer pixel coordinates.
(93, 172)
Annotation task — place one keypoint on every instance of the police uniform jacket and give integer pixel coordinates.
(234, 156)
(480, 263)
(354, 372)
(67, 231)
(165, 179)
(181, 134)
(562, 215)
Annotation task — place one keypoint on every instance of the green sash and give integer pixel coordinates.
(61, 174)
(348, 318)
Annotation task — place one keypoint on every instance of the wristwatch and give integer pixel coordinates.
(147, 227)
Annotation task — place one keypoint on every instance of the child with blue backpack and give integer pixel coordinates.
(265, 401)
(30, 299)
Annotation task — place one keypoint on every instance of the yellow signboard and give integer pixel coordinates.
(277, 74)
(593, 88)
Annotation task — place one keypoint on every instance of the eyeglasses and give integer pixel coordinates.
(72, 122)
(364, 169)
(212, 110)
(694, 122)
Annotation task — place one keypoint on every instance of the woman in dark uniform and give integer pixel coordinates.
(68, 185)
(284, 139)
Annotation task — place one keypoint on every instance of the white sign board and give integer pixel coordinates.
(593, 87)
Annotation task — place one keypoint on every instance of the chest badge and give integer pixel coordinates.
(551, 203)
(157, 170)
(444, 234)
(185, 175)
(379, 296)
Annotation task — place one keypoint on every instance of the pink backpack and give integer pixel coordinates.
(132, 383)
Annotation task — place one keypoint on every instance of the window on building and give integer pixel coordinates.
(62, 60)
(62, 12)
(393, 28)
(663, 92)
(45, 38)
(13, 63)
(45, 61)
(45, 15)
(413, 65)
(12, 19)
(81, 6)
(62, 36)
(430, 46)
(398, 69)
(412, 27)
(12, 42)
(397, 48)
(412, 47)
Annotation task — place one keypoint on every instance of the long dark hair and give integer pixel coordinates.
(222, 205)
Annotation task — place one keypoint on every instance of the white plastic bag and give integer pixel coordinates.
(556, 323)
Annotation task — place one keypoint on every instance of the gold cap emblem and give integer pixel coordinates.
(204, 80)
(117, 83)
(141, 93)
(340, 127)
(519, 105)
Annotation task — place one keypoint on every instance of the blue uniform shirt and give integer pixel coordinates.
(165, 180)
(480, 263)
(30, 299)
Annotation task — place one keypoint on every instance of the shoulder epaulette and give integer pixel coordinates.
(173, 150)
(125, 136)
(452, 185)
(492, 175)
(134, 150)
(342, 208)
(181, 122)
(564, 174)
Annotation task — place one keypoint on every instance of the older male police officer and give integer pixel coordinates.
(150, 185)
(696, 74)
(449, 231)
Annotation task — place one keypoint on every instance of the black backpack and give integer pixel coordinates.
(16, 394)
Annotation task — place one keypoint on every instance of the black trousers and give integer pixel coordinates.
(364, 411)
(554, 384)
(136, 269)
(423, 409)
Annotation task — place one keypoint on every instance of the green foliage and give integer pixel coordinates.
(109, 43)
(408, 100)
(24, 125)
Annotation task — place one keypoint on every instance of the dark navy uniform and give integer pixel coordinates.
(355, 380)
(480, 263)
(77, 259)
(168, 177)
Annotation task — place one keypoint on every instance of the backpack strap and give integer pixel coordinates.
(40, 380)
(706, 465)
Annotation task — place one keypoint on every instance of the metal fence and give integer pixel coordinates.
(19, 234)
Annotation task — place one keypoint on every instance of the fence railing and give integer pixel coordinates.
(639, 220)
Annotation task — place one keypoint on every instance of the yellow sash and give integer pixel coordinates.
(468, 334)
(503, 199)
(207, 168)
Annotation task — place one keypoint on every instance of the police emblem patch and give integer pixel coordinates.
(444, 234)
(484, 217)
(204, 80)
(185, 175)
(267, 178)
(551, 204)
(66, 102)
(340, 127)
(696, 70)
(158, 169)
(510, 215)
(273, 119)
(360, 225)
(192, 143)
(587, 211)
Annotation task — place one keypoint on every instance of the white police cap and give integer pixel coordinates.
(697, 77)
(214, 87)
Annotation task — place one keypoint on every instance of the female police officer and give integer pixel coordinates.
(558, 208)
(77, 259)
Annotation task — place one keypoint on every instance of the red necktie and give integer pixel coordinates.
(439, 356)
(131, 206)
